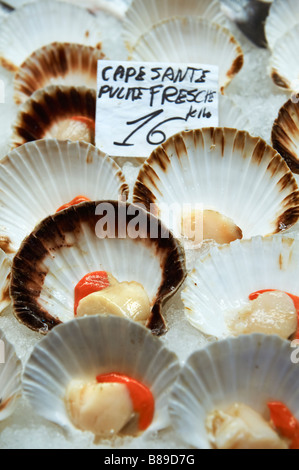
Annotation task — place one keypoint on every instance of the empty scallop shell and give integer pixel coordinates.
(284, 66)
(285, 134)
(223, 170)
(253, 370)
(191, 40)
(221, 282)
(37, 24)
(283, 15)
(56, 112)
(39, 177)
(5, 267)
(57, 64)
(142, 15)
(83, 349)
(89, 237)
(10, 378)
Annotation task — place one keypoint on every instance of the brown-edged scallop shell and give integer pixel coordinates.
(118, 238)
(56, 112)
(39, 177)
(57, 64)
(285, 134)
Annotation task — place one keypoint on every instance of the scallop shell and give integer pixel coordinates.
(231, 115)
(224, 170)
(57, 64)
(37, 24)
(83, 349)
(45, 114)
(283, 15)
(90, 237)
(191, 40)
(285, 134)
(283, 63)
(39, 177)
(142, 15)
(221, 282)
(253, 370)
(10, 378)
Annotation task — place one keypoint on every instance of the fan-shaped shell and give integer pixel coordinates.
(83, 349)
(251, 369)
(221, 282)
(283, 15)
(10, 378)
(50, 112)
(224, 170)
(57, 64)
(37, 24)
(285, 134)
(90, 237)
(39, 177)
(284, 66)
(191, 40)
(141, 15)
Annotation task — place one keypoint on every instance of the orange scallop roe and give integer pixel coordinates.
(74, 202)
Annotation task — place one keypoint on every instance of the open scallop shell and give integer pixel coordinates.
(90, 237)
(50, 113)
(253, 370)
(90, 346)
(221, 282)
(285, 134)
(10, 378)
(284, 66)
(142, 15)
(283, 15)
(57, 64)
(224, 170)
(37, 24)
(39, 177)
(191, 40)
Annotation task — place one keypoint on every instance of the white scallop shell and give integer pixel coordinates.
(283, 62)
(224, 170)
(142, 15)
(191, 40)
(283, 15)
(39, 177)
(89, 237)
(57, 64)
(221, 282)
(40, 23)
(253, 370)
(231, 115)
(90, 346)
(10, 378)
(5, 267)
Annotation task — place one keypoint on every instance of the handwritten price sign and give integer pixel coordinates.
(140, 105)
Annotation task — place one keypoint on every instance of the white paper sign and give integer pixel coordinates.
(140, 105)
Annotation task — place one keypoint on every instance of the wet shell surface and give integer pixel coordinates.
(39, 177)
(283, 63)
(197, 41)
(283, 15)
(37, 24)
(10, 378)
(224, 170)
(83, 349)
(57, 64)
(285, 134)
(56, 112)
(221, 282)
(142, 15)
(89, 237)
(253, 370)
